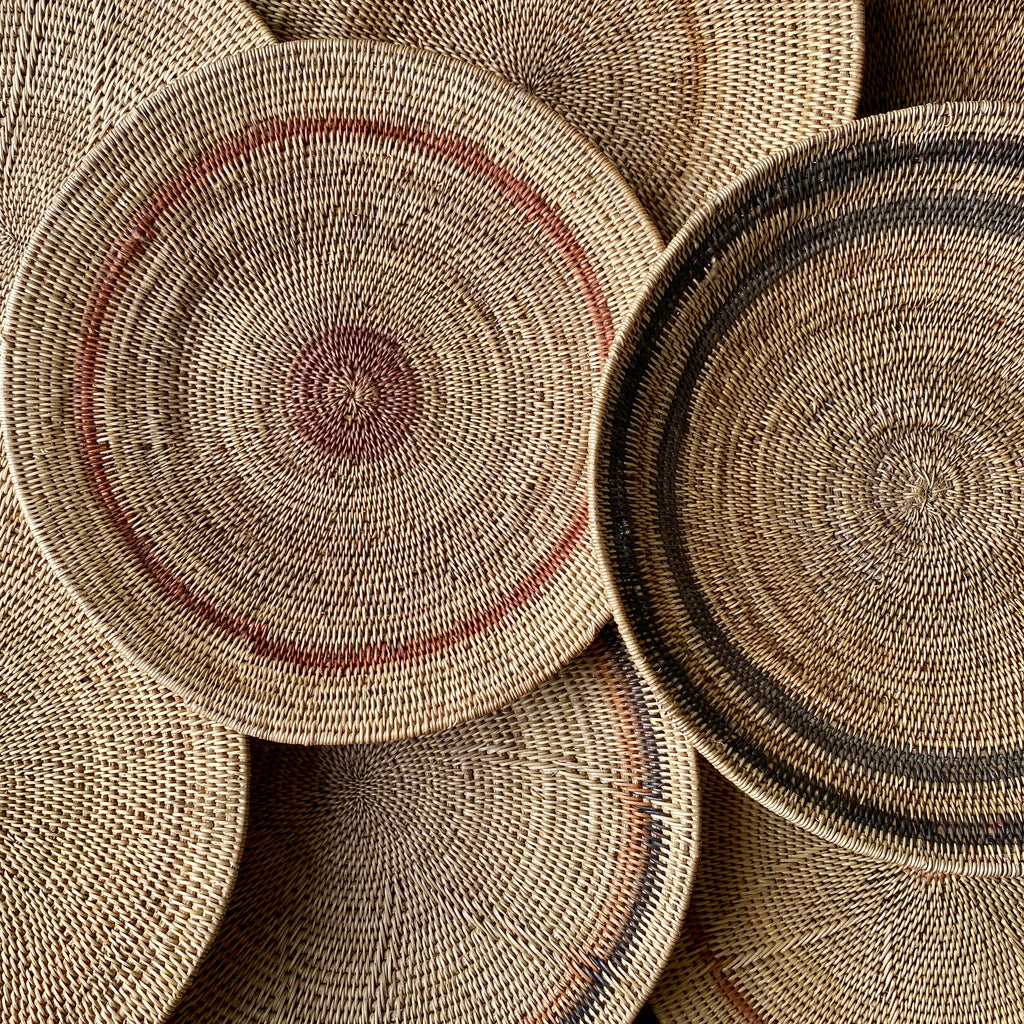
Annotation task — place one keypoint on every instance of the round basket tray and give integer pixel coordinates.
(530, 865)
(681, 95)
(783, 926)
(809, 485)
(122, 815)
(302, 413)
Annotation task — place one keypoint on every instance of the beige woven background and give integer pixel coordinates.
(937, 51)
(71, 70)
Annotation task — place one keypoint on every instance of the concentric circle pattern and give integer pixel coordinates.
(682, 95)
(784, 926)
(121, 814)
(299, 406)
(69, 71)
(934, 51)
(532, 865)
(808, 487)
(354, 393)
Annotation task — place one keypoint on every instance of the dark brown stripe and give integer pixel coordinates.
(627, 911)
(841, 742)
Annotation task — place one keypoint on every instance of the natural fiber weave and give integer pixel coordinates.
(809, 489)
(533, 865)
(71, 69)
(933, 51)
(681, 94)
(299, 406)
(121, 814)
(785, 927)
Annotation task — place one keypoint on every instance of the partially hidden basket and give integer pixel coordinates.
(533, 864)
(71, 69)
(809, 485)
(783, 926)
(122, 814)
(937, 51)
(681, 95)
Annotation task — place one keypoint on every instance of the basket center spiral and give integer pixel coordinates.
(353, 392)
(375, 793)
(928, 483)
(921, 504)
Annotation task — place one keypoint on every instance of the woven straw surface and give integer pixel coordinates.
(121, 814)
(785, 927)
(681, 94)
(810, 484)
(933, 51)
(71, 69)
(532, 865)
(299, 407)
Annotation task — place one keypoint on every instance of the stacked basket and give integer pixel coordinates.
(347, 384)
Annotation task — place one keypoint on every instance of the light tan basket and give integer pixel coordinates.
(809, 485)
(299, 406)
(682, 95)
(783, 926)
(71, 69)
(121, 814)
(533, 865)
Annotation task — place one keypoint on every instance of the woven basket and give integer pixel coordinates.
(531, 865)
(302, 414)
(786, 927)
(121, 814)
(71, 69)
(682, 95)
(809, 492)
(932, 51)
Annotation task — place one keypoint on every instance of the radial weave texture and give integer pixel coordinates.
(121, 814)
(933, 51)
(681, 94)
(808, 494)
(533, 866)
(71, 69)
(785, 927)
(299, 406)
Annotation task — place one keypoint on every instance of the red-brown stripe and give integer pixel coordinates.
(619, 899)
(700, 944)
(111, 282)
